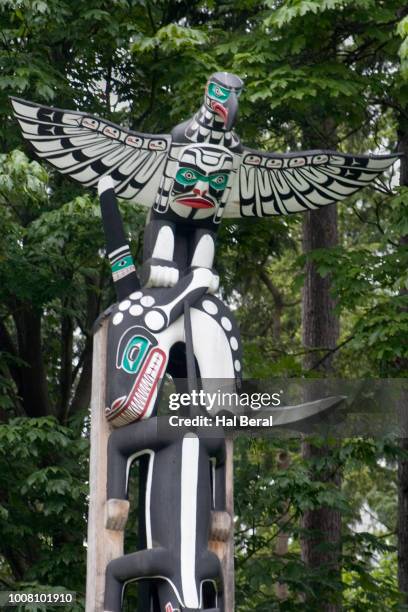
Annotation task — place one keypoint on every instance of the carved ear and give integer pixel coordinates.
(123, 268)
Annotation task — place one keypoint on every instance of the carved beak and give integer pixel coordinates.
(228, 111)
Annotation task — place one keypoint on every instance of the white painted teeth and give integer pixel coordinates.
(138, 404)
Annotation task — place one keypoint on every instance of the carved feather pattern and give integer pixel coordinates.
(273, 184)
(87, 148)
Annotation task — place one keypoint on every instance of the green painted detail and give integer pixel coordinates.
(216, 92)
(188, 176)
(122, 263)
(134, 354)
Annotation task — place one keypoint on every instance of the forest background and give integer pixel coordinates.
(319, 524)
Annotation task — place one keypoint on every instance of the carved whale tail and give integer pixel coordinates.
(123, 268)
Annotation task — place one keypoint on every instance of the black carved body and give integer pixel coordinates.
(181, 491)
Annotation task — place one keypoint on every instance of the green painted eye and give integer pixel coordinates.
(216, 92)
(134, 354)
(187, 176)
(218, 181)
(125, 262)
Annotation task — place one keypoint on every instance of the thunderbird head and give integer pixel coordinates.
(221, 96)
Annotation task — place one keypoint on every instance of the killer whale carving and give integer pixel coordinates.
(189, 179)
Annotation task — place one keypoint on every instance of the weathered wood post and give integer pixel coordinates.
(102, 544)
(222, 532)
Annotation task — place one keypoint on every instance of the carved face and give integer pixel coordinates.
(201, 180)
(135, 364)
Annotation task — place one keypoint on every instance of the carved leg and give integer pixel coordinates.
(210, 569)
(159, 268)
(141, 564)
(123, 444)
(203, 250)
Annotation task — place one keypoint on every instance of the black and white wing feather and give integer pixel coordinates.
(87, 148)
(272, 184)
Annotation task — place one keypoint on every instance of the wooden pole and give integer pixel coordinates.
(222, 532)
(105, 522)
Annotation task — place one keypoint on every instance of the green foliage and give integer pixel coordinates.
(269, 503)
(43, 472)
(171, 37)
(402, 30)
(369, 280)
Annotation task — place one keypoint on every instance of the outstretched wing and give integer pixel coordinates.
(272, 184)
(87, 148)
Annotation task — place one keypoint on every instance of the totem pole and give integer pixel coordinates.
(171, 321)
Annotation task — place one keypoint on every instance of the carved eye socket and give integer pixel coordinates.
(134, 141)
(219, 181)
(187, 176)
(157, 145)
(218, 93)
(90, 123)
(112, 132)
(295, 162)
(320, 159)
(133, 354)
(274, 163)
(254, 160)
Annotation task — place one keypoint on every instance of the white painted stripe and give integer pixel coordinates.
(122, 248)
(213, 462)
(149, 539)
(188, 519)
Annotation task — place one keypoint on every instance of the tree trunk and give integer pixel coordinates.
(65, 374)
(402, 525)
(34, 388)
(320, 329)
(282, 541)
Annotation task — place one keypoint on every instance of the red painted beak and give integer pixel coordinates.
(221, 111)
